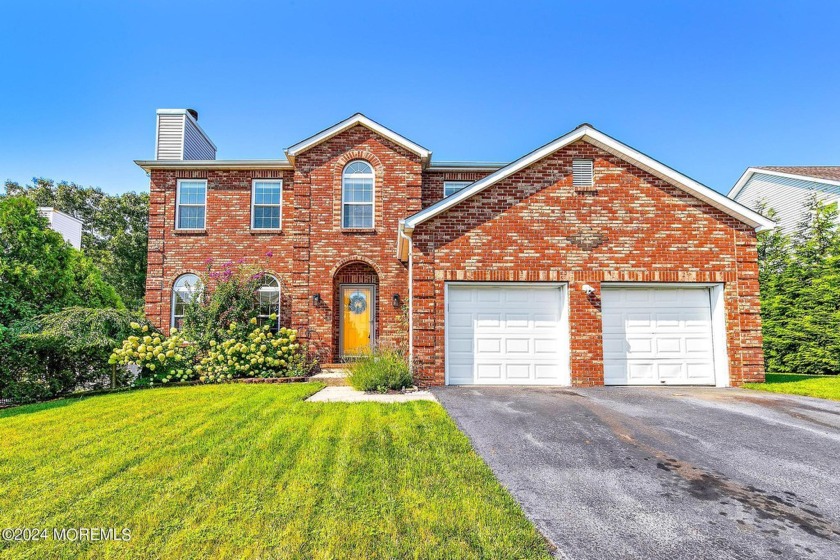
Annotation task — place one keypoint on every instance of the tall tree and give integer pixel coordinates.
(115, 233)
(800, 293)
(39, 272)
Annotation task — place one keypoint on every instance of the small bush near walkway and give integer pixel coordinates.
(380, 371)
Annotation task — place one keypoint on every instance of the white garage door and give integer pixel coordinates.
(506, 335)
(656, 336)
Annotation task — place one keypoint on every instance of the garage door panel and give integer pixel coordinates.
(546, 371)
(700, 370)
(488, 320)
(487, 371)
(516, 296)
(489, 296)
(546, 346)
(513, 333)
(657, 335)
(668, 347)
(641, 371)
(517, 320)
(456, 320)
(518, 345)
(488, 345)
(459, 345)
(518, 371)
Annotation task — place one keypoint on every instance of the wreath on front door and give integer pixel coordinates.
(357, 303)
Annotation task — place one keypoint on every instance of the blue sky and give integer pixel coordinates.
(708, 88)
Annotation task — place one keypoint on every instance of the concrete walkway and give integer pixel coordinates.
(349, 395)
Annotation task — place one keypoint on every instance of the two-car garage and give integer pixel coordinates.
(518, 334)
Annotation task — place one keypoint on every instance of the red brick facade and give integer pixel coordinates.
(312, 254)
(633, 227)
(533, 226)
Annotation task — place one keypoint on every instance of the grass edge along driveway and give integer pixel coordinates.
(237, 471)
(823, 387)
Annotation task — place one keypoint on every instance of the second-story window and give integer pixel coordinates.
(357, 195)
(451, 187)
(191, 203)
(266, 208)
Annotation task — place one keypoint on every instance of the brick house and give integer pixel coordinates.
(584, 262)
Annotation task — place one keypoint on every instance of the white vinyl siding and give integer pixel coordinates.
(170, 137)
(69, 227)
(451, 187)
(506, 334)
(785, 195)
(357, 182)
(180, 138)
(196, 145)
(191, 204)
(266, 204)
(582, 173)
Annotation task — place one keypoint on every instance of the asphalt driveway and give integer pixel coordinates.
(663, 472)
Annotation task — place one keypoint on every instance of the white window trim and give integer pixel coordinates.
(372, 202)
(463, 185)
(277, 289)
(174, 294)
(178, 204)
(254, 204)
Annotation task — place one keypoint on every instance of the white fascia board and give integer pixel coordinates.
(753, 170)
(615, 147)
(358, 118)
(189, 116)
(148, 165)
(733, 192)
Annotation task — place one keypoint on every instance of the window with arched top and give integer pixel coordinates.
(357, 195)
(186, 288)
(268, 299)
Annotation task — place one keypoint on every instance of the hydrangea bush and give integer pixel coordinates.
(248, 350)
(161, 359)
(253, 351)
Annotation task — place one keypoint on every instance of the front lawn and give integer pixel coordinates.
(246, 471)
(807, 385)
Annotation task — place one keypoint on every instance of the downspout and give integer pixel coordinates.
(407, 237)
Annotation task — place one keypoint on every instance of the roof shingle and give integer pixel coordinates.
(830, 172)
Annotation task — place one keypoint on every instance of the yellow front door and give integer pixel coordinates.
(357, 308)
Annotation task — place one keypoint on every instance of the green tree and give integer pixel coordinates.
(39, 272)
(800, 293)
(115, 233)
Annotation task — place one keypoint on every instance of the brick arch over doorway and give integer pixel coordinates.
(355, 272)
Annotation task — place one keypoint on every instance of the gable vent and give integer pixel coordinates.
(582, 173)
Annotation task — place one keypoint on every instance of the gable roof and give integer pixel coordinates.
(589, 134)
(357, 119)
(828, 174)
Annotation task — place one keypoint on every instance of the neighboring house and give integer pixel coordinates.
(584, 262)
(68, 226)
(786, 190)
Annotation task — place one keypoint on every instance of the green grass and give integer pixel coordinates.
(247, 471)
(824, 387)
